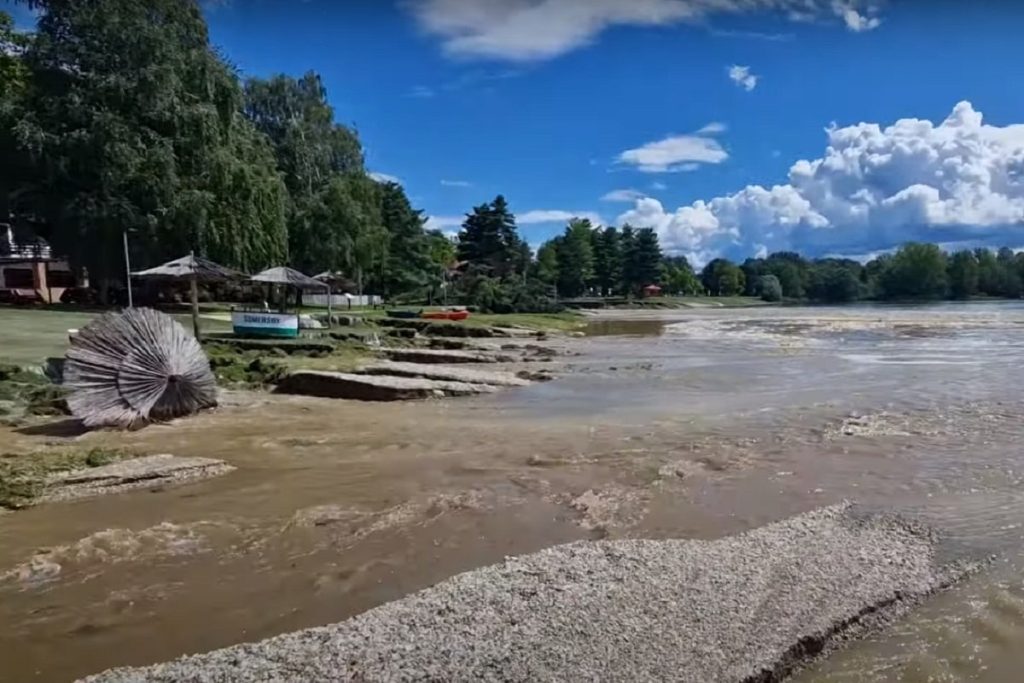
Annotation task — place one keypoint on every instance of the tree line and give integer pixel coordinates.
(118, 117)
(915, 271)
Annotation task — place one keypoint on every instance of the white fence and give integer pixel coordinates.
(341, 301)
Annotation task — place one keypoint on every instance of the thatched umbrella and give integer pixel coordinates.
(125, 369)
(193, 269)
(293, 278)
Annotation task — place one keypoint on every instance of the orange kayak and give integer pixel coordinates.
(446, 315)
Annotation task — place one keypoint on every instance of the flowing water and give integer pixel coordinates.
(689, 424)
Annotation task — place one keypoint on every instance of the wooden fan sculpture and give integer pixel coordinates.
(127, 369)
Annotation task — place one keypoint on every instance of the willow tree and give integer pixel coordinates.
(344, 231)
(13, 88)
(310, 150)
(135, 124)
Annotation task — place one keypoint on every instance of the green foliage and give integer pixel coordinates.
(133, 123)
(641, 259)
(16, 173)
(916, 271)
(546, 268)
(834, 281)
(575, 258)
(678, 277)
(722, 277)
(23, 477)
(769, 288)
(607, 260)
(489, 239)
(344, 230)
(338, 218)
(490, 295)
(963, 275)
(295, 116)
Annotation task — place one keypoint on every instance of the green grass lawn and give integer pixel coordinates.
(29, 336)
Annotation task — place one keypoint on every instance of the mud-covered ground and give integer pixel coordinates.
(700, 425)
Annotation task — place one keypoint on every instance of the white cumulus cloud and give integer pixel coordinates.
(874, 187)
(623, 196)
(855, 19)
(530, 30)
(741, 76)
(678, 152)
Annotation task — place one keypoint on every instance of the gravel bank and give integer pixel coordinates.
(747, 607)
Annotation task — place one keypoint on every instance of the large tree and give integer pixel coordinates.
(916, 271)
(963, 274)
(316, 157)
(134, 124)
(490, 241)
(345, 231)
(607, 260)
(722, 277)
(641, 258)
(14, 78)
(678, 277)
(295, 115)
(408, 264)
(834, 281)
(575, 258)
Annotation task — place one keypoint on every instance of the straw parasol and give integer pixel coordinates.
(290, 277)
(125, 369)
(193, 269)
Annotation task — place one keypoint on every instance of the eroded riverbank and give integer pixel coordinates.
(711, 425)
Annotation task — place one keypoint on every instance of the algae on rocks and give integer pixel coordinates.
(24, 476)
(27, 392)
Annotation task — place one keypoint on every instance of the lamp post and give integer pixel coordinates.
(127, 269)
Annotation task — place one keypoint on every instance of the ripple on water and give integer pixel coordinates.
(110, 546)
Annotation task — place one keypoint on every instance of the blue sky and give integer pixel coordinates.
(692, 113)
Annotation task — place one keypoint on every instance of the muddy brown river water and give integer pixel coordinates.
(683, 424)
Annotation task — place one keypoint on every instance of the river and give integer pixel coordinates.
(693, 423)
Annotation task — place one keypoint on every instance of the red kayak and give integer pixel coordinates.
(446, 315)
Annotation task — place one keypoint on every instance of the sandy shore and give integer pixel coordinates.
(747, 607)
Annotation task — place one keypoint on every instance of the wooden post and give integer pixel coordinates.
(195, 308)
(194, 286)
(329, 289)
(127, 270)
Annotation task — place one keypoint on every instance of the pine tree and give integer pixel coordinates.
(627, 248)
(607, 260)
(575, 258)
(643, 261)
(407, 266)
(489, 239)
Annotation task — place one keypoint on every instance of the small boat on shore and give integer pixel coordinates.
(404, 314)
(446, 315)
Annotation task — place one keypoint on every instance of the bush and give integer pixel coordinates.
(490, 295)
(769, 288)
